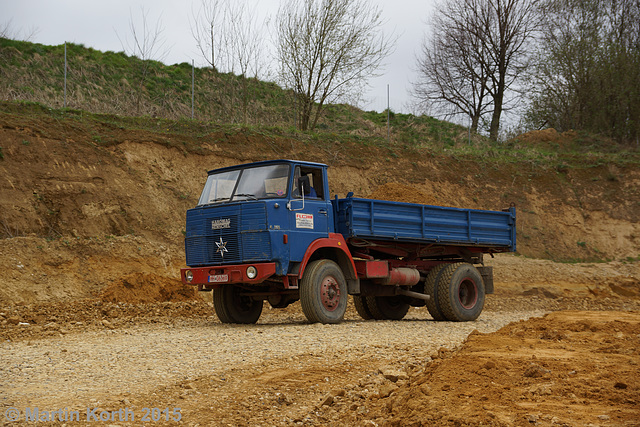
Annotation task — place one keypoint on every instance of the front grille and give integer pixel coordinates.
(227, 235)
(256, 246)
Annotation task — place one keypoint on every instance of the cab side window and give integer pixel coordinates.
(316, 183)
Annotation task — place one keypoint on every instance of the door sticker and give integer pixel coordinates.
(304, 221)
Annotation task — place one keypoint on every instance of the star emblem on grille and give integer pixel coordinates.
(222, 247)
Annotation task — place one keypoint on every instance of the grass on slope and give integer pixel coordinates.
(442, 138)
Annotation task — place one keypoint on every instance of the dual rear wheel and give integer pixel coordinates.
(381, 308)
(457, 292)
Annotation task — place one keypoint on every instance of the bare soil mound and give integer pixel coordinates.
(567, 368)
(143, 288)
(516, 275)
(547, 137)
(34, 269)
(58, 319)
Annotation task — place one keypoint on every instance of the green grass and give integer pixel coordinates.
(489, 154)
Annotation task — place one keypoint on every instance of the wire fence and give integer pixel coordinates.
(72, 76)
(76, 77)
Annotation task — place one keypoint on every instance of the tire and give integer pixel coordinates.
(360, 304)
(231, 307)
(387, 308)
(430, 286)
(461, 292)
(323, 292)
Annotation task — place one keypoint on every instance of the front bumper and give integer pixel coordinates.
(214, 276)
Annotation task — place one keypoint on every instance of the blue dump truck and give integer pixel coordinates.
(269, 231)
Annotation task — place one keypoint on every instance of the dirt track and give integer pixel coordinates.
(94, 365)
(284, 371)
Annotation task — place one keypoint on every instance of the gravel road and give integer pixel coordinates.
(87, 368)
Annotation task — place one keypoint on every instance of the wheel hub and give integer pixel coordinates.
(330, 293)
(468, 293)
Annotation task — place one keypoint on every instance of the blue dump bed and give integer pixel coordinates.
(409, 222)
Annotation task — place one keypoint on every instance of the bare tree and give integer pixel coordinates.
(479, 48)
(147, 44)
(508, 27)
(452, 66)
(230, 37)
(8, 32)
(207, 29)
(247, 33)
(246, 47)
(327, 50)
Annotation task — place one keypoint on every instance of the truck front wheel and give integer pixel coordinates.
(233, 307)
(323, 292)
(460, 292)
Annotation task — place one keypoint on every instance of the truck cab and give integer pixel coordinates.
(266, 212)
(252, 229)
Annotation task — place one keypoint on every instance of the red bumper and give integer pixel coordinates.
(213, 277)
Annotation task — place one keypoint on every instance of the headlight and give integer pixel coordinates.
(252, 272)
(188, 275)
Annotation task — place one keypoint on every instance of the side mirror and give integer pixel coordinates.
(303, 188)
(304, 185)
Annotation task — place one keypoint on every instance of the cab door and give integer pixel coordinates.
(310, 209)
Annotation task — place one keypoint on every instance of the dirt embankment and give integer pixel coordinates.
(83, 204)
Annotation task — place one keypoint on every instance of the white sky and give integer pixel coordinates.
(98, 23)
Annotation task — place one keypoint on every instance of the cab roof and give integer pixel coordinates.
(267, 162)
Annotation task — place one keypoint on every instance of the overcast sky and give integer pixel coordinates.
(101, 24)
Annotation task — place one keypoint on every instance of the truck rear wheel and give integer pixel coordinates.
(362, 308)
(232, 307)
(387, 308)
(461, 292)
(323, 292)
(430, 287)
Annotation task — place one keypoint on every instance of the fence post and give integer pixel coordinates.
(193, 73)
(388, 121)
(65, 75)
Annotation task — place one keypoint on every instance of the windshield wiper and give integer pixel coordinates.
(249, 196)
(210, 202)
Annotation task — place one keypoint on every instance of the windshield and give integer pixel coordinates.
(219, 187)
(246, 184)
